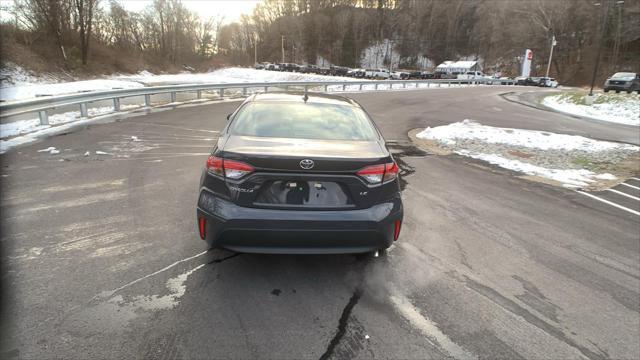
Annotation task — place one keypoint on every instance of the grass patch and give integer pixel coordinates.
(577, 97)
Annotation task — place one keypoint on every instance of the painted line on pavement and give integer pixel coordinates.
(624, 194)
(631, 186)
(609, 203)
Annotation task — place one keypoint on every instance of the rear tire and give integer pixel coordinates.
(606, 90)
(617, 91)
(629, 91)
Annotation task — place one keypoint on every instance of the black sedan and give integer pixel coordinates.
(300, 173)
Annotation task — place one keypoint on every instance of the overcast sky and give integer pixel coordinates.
(230, 9)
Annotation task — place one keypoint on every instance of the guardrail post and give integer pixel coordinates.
(244, 91)
(376, 86)
(116, 104)
(173, 96)
(360, 88)
(266, 89)
(326, 88)
(147, 100)
(199, 94)
(306, 88)
(448, 83)
(83, 110)
(286, 88)
(344, 86)
(221, 91)
(44, 117)
(404, 85)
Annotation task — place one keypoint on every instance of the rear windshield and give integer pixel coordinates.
(303, 121)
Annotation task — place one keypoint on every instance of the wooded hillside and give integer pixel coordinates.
(93, 36)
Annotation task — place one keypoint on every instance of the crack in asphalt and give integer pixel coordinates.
(342, 324)
(217, 261)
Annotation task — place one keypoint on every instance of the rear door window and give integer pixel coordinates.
(303, 121)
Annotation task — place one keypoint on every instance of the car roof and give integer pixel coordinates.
(298, 96)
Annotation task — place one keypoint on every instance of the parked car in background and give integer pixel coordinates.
(548, 82)
(338, 70)
(309, 69)
(377, 74)
(289, 67)
(357, 73)
(399, 75)
(623, 81)
(528, 81)
(471, 75)
(324, 70)
(427, 75)
(262, 65)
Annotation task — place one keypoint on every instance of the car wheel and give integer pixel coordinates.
(629, 91)
(617, 91)
(606, 90)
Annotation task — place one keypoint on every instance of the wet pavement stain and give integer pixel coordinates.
(401, 150)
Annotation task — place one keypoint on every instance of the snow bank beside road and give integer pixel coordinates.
(573, 161)
(617, 108)
(28, 91)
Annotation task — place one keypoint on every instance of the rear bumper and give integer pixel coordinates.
(254, 230)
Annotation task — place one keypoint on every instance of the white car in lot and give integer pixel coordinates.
(377, 74)
(399, 75)
(471, 75)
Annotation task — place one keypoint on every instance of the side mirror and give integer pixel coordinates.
(228, 117)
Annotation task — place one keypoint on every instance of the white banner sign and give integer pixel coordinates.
(526, 63)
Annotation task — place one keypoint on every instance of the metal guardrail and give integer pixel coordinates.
(43, 105)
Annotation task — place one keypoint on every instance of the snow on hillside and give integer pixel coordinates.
(30, 86)
(617, 108)
(226, 75)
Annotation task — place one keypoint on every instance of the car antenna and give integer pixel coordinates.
(305, 97)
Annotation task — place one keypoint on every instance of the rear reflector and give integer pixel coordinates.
(202, 226)
(228, 168)
(396, 229)
(380, 173)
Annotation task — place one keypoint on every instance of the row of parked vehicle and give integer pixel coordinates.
(537, 81)
(379, 73)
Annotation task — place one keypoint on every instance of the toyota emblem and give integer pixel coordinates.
(306, 164)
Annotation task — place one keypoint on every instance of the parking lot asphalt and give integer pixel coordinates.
(101, 257)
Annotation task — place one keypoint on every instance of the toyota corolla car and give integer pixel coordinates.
(297, 173)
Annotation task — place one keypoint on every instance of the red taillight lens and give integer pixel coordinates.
(396, 229)
(391, 172)
(202, 226)
(214, 164)
(380, 173)
(228, 168)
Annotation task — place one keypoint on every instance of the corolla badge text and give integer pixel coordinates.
(307, 164)
(239, 189)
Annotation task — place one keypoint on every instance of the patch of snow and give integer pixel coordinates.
(469, 129)
(28, 91)
(87, 153)
(102, 153)
(226, 75)
(47, 149)
(617, 108)
(135, 138)
(572, 178)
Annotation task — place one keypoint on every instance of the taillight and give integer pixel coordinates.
(396, 229)
(214, 164)
(228, 168)
(380, 173)
(202, 226)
